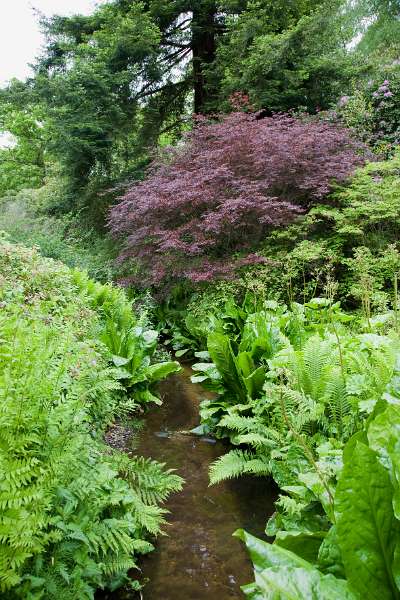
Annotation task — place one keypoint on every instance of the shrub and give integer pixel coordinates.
(385, 117)
(208, 203)
(362, 219)
(373, 110)
(306, 399)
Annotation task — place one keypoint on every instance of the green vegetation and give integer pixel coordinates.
(74, 514)
(25, 219)
(235, 164)
(355, 555)
(309, 397)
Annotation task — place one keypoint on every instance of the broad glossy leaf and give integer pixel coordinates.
(255, 382)
(264, 555)
(220, 350)
(145, 396)
(252, 592)
(162, 370)
(204, 355)
(180, 353)
(313, 482)
(329, 556)
(384, 437)
(198, 378)
(291, 583)
(384, 434)
(150, 337)
(304, 545)
(244, 364)
(120, 361)
(366, 526)
(348, 450)
(396, 565)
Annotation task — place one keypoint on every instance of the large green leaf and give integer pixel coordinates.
(329, 556)
(252, 592)
(244, 364)
(384, 434)
(305, 545)
(220, 350)
(294, 583)
(384, 437)
(264, 555)
(366, 526)
(161, 370)
(120, 361)
(261, 336)
(255, 382)
(145, 396)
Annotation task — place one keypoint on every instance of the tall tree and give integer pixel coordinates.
(22, 158)
(115, 83)
(131, 66)
(286, 59)
(134, 71)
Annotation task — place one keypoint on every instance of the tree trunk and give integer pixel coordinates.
(204, 31)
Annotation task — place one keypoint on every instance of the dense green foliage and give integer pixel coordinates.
(283, 68)
(353, 239)
(305, 399)
(22, 160)
(109, 86)
(25, 218)
(355, 556)
(300, 341)
(73, 513)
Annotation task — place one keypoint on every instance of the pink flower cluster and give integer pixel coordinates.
(383, 90)
(208, 203)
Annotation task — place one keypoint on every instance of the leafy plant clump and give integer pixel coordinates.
(283, 374)
(74, 514)
(208, 203)
(309, 401)
(354, 555)
(374, 110)
(351, 238)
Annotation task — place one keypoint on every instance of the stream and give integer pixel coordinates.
(198, 559)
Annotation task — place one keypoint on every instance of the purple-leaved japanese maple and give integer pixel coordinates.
(208, 203)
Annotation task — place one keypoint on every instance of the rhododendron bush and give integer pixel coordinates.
(209, 202)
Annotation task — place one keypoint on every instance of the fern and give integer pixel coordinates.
(74, 515)
(321, 389)
(150, 480)
(236, 463)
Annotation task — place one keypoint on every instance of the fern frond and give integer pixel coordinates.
(236, 463)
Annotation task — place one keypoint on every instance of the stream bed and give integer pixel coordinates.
(198, 559)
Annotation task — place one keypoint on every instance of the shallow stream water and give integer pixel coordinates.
(198, 559)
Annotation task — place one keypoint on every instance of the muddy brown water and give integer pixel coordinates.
(198, 559)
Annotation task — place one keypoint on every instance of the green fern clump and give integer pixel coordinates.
(74, 515)
(328, 391)
(319, 381)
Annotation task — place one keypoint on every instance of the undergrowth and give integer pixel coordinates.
(308, 395)
(74, 514)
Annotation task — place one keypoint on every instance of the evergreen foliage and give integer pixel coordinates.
(285, 68)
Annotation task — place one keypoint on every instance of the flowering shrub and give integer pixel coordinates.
(385, 115)
(208, 203)
(373, 111)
